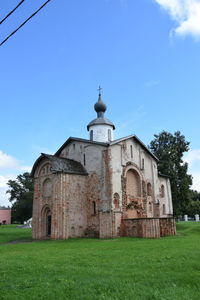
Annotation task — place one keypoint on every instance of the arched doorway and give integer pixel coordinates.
(48, 231)
(46, 222)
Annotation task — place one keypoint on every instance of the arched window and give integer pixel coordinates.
(149, 189)
(47, 188)
(162, 191)
(109, 135)
(133, 185)
(164, 210)
(116, 200)
(91, 135)
(45, 170)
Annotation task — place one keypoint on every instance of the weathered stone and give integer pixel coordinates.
(101, 189)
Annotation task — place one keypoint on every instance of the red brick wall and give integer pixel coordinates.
(167, 226)
(105, 219)
(148, 227)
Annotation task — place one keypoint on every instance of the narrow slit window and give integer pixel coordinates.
(84, 160)
(164, 210)
(109, 135)
(150, 207)
(94, 207)
(162, 191)
(142, 164)
(131, 149)
(149, 189)
(91, 135)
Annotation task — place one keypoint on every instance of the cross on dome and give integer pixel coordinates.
(99, 89)
(100, 106)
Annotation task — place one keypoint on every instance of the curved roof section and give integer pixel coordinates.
(100, 121)
(60, 164)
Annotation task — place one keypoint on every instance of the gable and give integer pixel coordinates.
(138, 141)
(73, 139)
(59, 164)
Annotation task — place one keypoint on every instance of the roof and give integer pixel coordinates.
(74, 139)
(70, 166)
(163, 175)
(138, 140)
(100, 121)
(60, 164)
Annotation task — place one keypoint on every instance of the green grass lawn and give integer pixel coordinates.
(124, 268)
(12, 233)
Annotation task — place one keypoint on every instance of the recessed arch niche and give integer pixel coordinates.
(47, 188)
(133, 183)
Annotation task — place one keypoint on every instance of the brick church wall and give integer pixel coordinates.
(167, 226)
(148, 227)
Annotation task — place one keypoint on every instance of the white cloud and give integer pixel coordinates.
(186, 14)
(193, 160)
(192, 157)
(196, 181)
(7, 161)
(3, 188)
(9, 164)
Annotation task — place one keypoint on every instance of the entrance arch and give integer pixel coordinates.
(46, 222)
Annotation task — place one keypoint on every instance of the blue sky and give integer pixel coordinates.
(145, 54)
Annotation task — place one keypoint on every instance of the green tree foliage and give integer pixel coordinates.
(21, 196)
(169, 149)
(193, 206)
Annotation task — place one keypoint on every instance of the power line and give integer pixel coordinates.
(12, 11)
(24, 23)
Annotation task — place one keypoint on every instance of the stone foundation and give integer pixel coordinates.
(105, 221)
(148, 227)
(167, 226)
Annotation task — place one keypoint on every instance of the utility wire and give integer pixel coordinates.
(24, 23)
(12, 11)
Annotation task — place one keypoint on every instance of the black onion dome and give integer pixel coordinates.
(100, 108)
(100, 105)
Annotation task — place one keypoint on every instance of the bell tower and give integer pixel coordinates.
(100, 129)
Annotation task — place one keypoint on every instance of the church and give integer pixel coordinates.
(101, 187)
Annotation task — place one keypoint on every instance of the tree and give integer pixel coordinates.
(193, 206)
(21, 196)
(169, 149)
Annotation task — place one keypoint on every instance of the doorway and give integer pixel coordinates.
(49, 225)
(46, 224)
